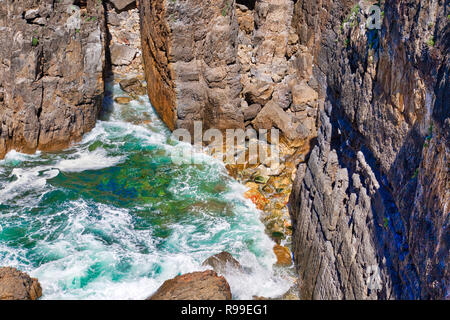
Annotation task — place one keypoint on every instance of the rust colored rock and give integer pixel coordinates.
(191, 66)
(205, 285)
(51, 75)
(222, 262)
(283, 255)
(133, 85)
(370, 210)
(17, 285)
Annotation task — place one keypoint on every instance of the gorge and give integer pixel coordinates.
(360, 198)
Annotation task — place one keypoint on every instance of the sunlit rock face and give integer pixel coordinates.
(370, 209)
(51, 72)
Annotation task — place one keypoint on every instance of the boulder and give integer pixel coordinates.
(283, 255)
(222, 262)
(302, 94)
(17, 285)
(205, 285)
(259, 92)
(123, 100)
(123, 4)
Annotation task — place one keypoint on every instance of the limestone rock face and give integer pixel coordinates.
(51, 72)
(194, 286)
(191, 67)
(17, 285)
(370, 212)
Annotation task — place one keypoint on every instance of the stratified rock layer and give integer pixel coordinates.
(51, 72)
(17, 285)
(205, 285)
(370, 208)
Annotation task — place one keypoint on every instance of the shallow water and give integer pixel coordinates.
(113, 217)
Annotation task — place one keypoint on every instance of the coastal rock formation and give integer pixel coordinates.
(51, 72)
(17, 285)
(123, 32)
(205, 285)
(191, 66)
(370, 209)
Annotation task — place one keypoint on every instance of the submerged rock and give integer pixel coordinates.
(17, 285)
(205, 285)
(222, 262)
(123, 100)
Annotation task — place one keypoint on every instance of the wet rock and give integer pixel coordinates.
(259, 92)
(274, 116)
(256, 197)
(302, 95)
(205, 285)
(251, 111)
(283, 254)
(17, 285)
(222, 262)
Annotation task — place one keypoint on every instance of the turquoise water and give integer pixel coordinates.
(113, 217)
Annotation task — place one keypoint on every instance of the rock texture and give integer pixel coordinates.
(51, 72)
(205, 285)
(124, 40)
(223, 262)
(370, 208)
(17, 285)
(191, 67)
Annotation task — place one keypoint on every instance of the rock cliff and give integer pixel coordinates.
(370, 202)
(370, 208)
(51, 72)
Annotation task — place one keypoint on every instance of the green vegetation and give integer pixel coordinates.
(430, 41)
(347, 42)
(351, 17)
(34, 41)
